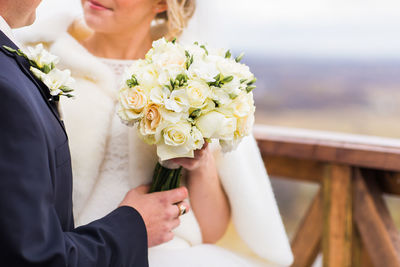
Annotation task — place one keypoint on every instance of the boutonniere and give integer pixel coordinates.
(43, 66)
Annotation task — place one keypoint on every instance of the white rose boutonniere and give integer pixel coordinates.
(43, 66)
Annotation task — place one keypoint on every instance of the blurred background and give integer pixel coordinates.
(321, 64)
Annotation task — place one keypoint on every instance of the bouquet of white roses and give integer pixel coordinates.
(181, 96)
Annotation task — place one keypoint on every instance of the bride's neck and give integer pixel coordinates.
(132, 45)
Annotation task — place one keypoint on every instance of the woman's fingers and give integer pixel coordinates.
(193, 163)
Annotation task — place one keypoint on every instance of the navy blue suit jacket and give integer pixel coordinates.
(36, 221)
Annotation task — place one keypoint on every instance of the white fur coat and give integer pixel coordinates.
(88, 120)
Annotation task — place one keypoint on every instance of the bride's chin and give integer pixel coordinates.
(97, 23)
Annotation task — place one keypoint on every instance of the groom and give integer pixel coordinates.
(36, 221)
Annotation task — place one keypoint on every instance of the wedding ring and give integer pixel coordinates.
(182, 209)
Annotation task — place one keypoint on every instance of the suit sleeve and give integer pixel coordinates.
(30, 229)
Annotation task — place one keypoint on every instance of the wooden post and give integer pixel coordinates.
(360, 257)
(377, 229)
(337, 219)
(307, 242)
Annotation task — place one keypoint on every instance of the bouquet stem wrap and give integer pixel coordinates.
(165, 179)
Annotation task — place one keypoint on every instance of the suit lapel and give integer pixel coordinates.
(25, 68)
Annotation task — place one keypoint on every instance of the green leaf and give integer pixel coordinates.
(189, 59)
(9, 49)
(232, 96)
(46, 69)
(205, 49)
(195, 113)
(228, 54)
(18, 52)
(182, 77)
(190, 120)
(196, 43)
(66, 89)
(132, 82)
(239, 58)
(168, 87)
(174, 40)
(227, 79)
(217, 103)
(250, 88)
(252, 81)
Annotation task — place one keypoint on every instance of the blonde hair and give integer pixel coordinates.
(172, 22)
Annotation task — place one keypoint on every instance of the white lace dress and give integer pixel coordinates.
(115, 163)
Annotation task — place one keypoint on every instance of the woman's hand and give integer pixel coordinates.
(207, 197)
(201, 158)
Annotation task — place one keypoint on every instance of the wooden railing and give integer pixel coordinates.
(348, 220)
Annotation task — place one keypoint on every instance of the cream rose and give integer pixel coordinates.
(151, 120)
(132, 102)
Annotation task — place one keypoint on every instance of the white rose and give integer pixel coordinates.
(157, 45)
(209, 105)
(229, 67)
(220, 95)
(147, 77)
(169, 73)
(178, 142)
(136, 67)
(243, 105)
(197, 137)
(178, 101)
(216, 125)
(204, 70)
(171, 116)
(197, 92)
(245, 125)
(170, 55)
(196, 51)
(158, 94)
(232, 88)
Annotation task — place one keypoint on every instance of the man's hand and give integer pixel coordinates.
(159, 211)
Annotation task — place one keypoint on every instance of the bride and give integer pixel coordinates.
(109, 159)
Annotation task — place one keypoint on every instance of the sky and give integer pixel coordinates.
(303, 28)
